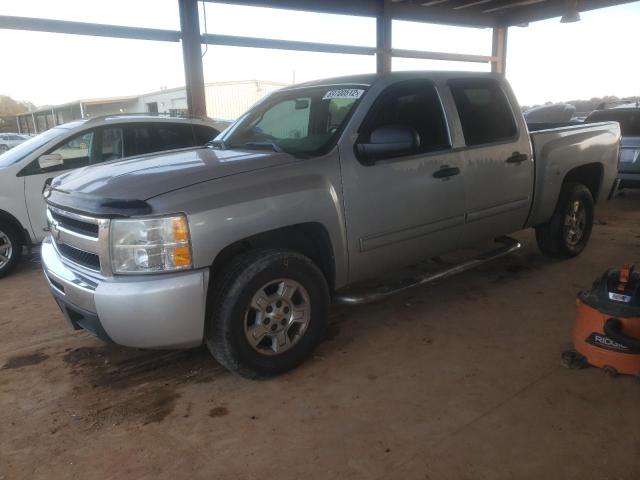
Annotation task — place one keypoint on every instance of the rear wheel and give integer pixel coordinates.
(270, 312)
(10, 248)
(567, 233)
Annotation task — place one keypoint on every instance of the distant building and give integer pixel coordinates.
(225, 101)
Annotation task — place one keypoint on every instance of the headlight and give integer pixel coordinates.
(149, 245)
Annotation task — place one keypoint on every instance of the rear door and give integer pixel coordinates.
(405, 207)
(497, 161)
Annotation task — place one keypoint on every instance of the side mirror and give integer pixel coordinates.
(51, 160)
(389, 141)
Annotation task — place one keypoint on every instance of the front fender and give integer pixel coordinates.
(227, 210)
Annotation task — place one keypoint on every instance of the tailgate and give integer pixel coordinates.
(630, 155)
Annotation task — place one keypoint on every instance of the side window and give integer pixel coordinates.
(484, 111)
(285, 120)
(171, 136)
(140, 140)
(76, 152)
(415, 104)
(204, 134)
(112, 144)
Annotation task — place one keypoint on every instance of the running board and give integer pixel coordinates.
(353, 298)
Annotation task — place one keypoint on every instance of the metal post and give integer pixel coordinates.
(192, 57)
(81, 110)
(18, 123)
(383, 38)
(499, 50)
(35, 126)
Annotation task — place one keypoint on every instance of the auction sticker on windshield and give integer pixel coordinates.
(343, 93)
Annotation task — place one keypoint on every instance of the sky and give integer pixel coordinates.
(546, 61)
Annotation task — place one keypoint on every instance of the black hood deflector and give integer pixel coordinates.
(83, 203)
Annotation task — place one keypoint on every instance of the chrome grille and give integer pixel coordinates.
(75, 225)
(86, 259)
(80, 239)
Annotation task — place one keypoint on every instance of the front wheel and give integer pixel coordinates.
(10, 248)
(567, 233)
(270, 311)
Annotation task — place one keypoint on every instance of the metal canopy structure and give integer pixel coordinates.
(498, 15)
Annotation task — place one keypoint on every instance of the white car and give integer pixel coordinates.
(28, 168)
(10, 140)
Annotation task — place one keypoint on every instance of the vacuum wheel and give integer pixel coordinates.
(573, 360)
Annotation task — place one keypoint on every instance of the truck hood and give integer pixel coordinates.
(140, 178)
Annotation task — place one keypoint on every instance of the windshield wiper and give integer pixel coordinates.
(216, 144)
(262, 145)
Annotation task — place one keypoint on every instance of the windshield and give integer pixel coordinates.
(629, 120)
(18, 152)
(302, 122)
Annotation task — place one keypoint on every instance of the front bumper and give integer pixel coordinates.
(145, 311)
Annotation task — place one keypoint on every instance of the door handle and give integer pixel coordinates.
(518, 158)
(446, 171)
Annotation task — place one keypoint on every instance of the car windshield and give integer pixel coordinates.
(629, 120)
(303, 121)
(18, 152)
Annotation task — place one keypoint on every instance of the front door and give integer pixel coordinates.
(86, 148)
(405, 206)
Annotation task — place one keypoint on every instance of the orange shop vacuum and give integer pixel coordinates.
(607, 329)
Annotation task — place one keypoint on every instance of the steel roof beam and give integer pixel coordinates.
(92, 29)
(253, 42)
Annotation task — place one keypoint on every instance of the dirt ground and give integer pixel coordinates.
(456, 380)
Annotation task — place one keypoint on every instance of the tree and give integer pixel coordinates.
(9, 106)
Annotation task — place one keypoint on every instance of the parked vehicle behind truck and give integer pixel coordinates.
(27, 168)
(241, 245)
(629, 120)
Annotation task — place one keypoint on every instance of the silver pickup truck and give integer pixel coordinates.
(242, 244)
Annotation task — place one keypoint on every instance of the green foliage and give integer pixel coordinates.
(9, 106)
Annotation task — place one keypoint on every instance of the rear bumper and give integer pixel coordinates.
(629, 180)
(153, 311)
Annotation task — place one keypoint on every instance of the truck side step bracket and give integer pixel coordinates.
(352, 297)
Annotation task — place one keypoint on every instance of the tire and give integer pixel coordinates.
(567, 233)
(267, 296)
(10, 248)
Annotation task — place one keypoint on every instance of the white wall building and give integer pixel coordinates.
(225, 101)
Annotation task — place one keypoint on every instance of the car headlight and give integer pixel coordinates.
(150, 245)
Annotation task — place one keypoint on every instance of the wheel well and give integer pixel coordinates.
(589, 175)
(13, 221)
(309, 239)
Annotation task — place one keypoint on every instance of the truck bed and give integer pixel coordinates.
(559, 149)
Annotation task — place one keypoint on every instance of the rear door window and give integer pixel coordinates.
(484, 110)
(204, 134)
(140, 140)
(112, 144)
(172, 136)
